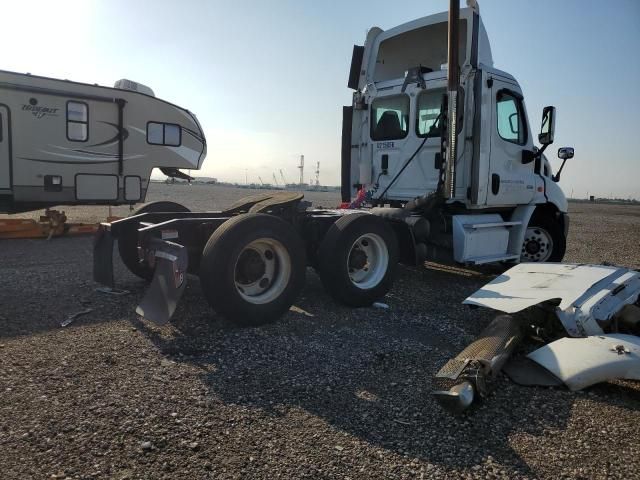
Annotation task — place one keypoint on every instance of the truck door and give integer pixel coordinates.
(510, 181)
(5, 167)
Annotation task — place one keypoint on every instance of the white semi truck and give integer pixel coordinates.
(411, 113)
(499, 200)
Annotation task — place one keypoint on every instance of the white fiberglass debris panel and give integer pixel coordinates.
(581, 362)
(529, 284)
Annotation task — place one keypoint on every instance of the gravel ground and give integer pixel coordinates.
(326, 392)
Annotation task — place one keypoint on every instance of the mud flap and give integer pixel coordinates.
(103, 257)
(168, 284)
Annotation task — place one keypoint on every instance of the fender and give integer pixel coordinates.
(555, 195)
(582, 362)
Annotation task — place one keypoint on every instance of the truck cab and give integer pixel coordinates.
(394, 132)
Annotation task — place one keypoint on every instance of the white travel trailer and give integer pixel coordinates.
(66, 143)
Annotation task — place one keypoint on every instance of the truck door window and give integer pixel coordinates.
(510, 115)
(390, 118)
(77, 121)
(429, 104)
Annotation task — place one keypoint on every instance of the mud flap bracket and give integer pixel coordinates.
(103, 256)
(168, 284)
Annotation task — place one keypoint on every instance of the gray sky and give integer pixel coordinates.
(267, 79)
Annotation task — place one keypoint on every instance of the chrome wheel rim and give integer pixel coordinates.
(368, 261)
(537, 245)
(262, 271)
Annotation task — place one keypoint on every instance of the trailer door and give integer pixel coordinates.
(5, 150)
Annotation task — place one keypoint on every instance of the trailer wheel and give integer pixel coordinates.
(253, 268)
(357, 259)
(544, 240)
(128, 239)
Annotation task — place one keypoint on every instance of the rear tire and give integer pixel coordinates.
(544, 240)
(358, 258)
(128, 239)
(253, 268)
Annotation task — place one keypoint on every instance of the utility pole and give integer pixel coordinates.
(318, 174)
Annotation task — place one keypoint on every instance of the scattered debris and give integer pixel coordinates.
(597, 305)
(296, 309)
(380, 305)
(401, 422)
(112, 291)
(73, 316)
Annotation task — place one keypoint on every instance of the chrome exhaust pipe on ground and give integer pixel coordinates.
(468, 375)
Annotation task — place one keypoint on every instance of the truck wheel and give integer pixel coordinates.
(357, 259)
(544, 240)
(253, 268)
(128, 239)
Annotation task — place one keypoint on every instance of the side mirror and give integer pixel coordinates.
(565, 153)
(548, 126)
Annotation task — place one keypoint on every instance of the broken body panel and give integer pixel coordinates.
(589, 295)
(596, 305)
(590, 300)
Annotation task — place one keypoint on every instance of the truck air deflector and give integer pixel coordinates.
(356, 67)
(345, 184)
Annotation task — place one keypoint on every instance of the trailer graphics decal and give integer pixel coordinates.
(385, 145)
(37, 111)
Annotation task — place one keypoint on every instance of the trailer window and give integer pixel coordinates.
(510, 115)
(164, 134)
(77, 121)
(429, 105)
(390, 117)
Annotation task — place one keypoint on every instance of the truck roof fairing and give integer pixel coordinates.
(389, 54)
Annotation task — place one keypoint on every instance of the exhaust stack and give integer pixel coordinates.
(453, 81)
(466, 376)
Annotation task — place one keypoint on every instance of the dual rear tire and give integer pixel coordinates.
(253, 266)
(357, 259)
